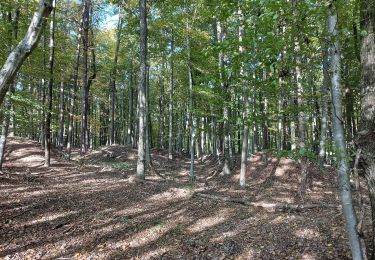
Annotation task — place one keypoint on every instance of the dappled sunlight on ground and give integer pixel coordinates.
(93, 211)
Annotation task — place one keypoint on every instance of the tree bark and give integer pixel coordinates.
(113, 80)
(61, 116)
(245, 142)
(25, 47)
(85, 87)
(343, 169)
(170, 134)
(324, 107)
(191, 119)
(142, 90)
(366, 133)
(47, 139)
(74, 89)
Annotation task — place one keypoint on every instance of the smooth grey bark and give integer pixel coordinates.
(224, 85)
(148, 121)
(61, 117)
(129, 134)
(191, 114)
(245, 136)
(142, 90)
(4, 133)
(161, 115)
(339, 137)
(366, 133)
(47, 139)
(324, 107)
(113, 80)
(170, 134)
(25, 47)
(73, 91)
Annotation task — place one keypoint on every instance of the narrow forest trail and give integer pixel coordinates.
(95, 211)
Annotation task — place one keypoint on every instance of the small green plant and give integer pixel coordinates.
(125, 219)
(119, 165)
(179, 229)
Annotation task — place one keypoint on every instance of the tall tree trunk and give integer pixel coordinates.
(85, 87)
(339, 137)
(324, 107)
(73, 91)
(129, 135)
(170, 134)
(245, 136)
(224, 85)
(113, 80)
(47, 139)
(142, 90)
(191, 119)
(366, 133)
(61, 117)
(25, 47)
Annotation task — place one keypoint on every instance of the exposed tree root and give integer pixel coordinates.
(270, 207)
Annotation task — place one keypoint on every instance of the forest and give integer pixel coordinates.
(187, 129)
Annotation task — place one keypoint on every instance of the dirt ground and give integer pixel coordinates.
(94, 209)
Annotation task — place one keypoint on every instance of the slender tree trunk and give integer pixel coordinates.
(61, 117)
(9, 108)
(113, 80)
(366, 133)
(74, 89)
(142, 90)
(339, 137)
(191, 119)
(47, 139)
(245, 136)
(170, 134)
(85, 87)
(324, 107)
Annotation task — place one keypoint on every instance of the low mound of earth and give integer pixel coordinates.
(90, 209)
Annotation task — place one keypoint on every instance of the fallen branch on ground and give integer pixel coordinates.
(270, 207)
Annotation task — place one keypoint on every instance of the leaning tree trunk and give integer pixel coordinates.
(25, 47)
(366, 132)
(339, 137)
(47, 139)
(142, 90)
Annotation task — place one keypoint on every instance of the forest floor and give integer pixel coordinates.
(94, 209)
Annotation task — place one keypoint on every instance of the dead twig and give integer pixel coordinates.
(271, 207)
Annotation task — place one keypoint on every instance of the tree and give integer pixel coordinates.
(85, 87)
(245, 139)
(47, 138)
(113, 78)
(25, 47)
(142, 90)
(339, 137)
(366, 131)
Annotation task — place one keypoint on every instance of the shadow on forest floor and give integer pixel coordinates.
(95, 210)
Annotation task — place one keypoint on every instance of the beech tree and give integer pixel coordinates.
(25, 47)
(142, 90)
(367, 119)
